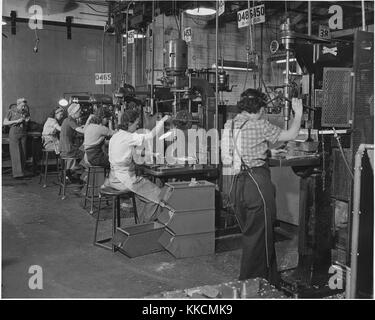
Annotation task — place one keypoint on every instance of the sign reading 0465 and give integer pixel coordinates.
(103, 78)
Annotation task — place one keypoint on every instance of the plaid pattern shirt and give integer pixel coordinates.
(251, 142)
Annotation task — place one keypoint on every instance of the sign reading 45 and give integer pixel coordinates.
(257, 15)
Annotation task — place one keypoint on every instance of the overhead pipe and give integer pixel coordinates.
(352, 288)
(309, 18)
(152, 58)
(125, 73)
(363, 15)
(216, 69)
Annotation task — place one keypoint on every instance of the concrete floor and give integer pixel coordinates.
(38, 228)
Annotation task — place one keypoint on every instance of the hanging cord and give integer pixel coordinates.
(323, 165)
(35, 49)
(342, 152)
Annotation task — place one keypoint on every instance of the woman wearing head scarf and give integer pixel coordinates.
(18, 118)
(95, 134)
(69, 129)
(51, 130)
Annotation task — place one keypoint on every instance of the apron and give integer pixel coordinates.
(96, 156)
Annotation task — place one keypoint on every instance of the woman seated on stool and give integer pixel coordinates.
(122, 175)
(51, 130)
(68, 147)
(95, 136)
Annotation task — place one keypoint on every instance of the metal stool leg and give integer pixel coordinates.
(41, 170)
(93, 192)
(135, 209)
(45, 171)
(64, 182)
(60, 175)
(87, 188)
(118, 212)
(58, 168)
(97, 220)
(114, 213)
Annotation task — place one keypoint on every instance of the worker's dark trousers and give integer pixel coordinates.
(17, 148)
(256, 223)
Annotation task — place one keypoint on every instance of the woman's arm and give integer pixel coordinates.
(57, 127)
(8, 122)
(159, 126)
(292, 132)
(81, 129)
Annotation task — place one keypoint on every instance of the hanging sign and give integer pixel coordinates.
(221, 7)
(187, 34)
(257, 15)
(103, 78)
(324, 32)
(131, 36)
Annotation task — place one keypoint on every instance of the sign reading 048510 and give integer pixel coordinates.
(257, 15)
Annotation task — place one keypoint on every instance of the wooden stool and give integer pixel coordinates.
(44, 166)
(116, 219)
(62, 175)
(92, 185)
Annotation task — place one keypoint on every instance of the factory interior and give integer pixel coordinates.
(187, 149)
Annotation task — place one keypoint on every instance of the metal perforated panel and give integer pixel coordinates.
(363, 122)
(337, 97)
(341, 180)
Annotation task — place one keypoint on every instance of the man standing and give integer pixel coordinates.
(18, 118)
(253, 195)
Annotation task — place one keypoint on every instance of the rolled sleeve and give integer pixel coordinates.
(136, 139)
(271, 132)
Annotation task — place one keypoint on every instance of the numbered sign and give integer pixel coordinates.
(103, 78)
(324, 32)
(257, 15)
(131, 36)
(187, 34)
(221, 7)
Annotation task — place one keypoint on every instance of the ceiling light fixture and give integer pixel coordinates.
(3, 23)
(202, 11)
(63, 102)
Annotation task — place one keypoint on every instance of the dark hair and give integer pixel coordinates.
(252, 101)
(53, 112)
(128, 117)
(95, 120)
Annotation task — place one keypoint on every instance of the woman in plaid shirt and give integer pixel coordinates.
(245, 148)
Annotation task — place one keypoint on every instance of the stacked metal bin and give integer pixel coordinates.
(189, 219)
(185, 226)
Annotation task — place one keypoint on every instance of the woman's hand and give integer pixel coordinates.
(166, 118)
(277, 152)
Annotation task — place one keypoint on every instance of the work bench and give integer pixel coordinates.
(179, 172)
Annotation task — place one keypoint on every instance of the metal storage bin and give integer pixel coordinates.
(187, 222)
(185, 246)
(184, 196)
(139, 240)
